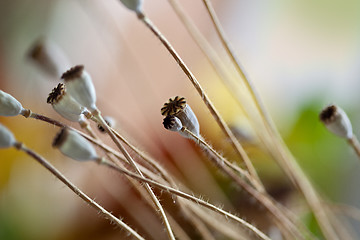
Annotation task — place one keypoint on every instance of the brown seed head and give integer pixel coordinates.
(328, 114)
(73, 73)
(101, 128)
(173, 106)
(60, 138)
(172, 123)
(56, 94)
(36, 50)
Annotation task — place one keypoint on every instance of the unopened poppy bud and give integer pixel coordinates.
(74, 145)
(134, 5)
(336, 121)
(49, 58)
(7, 139)
(172, 123)
(65, 105)
(80, 87)
(179, 108)
(9, 106)
(110, 121)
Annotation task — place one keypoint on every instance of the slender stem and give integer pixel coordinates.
(188, 197)
(220, 160)
(288, 162)
(234, 59)
(261, 197)
(101, 121)
(199, 225)
(45, 119)
(86, 126)
(235, 143)
(76, 190)
(354, 143)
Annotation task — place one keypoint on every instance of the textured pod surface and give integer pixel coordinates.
(65, 105)
(337, 121)
(7, 139)
(189, 120)
(9, 106)
(134, 5)
(74, 146)
(179, 108)
(172, 123)
(80, 86)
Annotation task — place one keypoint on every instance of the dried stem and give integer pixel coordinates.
(77, 191)
(101, 121)
(169, 179)
(235, 60)
(354, 143)
(220, 160)
(235, 143)
(259, 196)
(189, 197)
(287, 161)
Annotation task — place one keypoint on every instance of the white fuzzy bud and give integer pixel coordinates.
(74, 145)
(65, 105)
(134, 5)
(179, 108)
(9, 106)
(336, 121)
(80, 86)
(7, 139)
(49, 58)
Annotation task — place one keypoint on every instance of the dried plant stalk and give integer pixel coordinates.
(101, 121)
(287, 161)
(189, 197)
(354, 143)
(77, 191)
(235, 143)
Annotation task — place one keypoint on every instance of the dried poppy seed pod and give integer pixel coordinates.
(74, 145)
(172, 123)
(7, 139)
(110, 121)
(49, 58)
(9, 106)
(336, 121)
(179, 108)
(65, 105)
(80, 87)
(134, 5)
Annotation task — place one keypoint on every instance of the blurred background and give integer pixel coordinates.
(301, 56)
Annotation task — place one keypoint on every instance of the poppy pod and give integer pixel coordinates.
(110, 121)
(7, 139)
(172, 123)
(80, 86)
(74, 145)
(178, 108)
(134, 5)
(336, 121)
(49, 58)
(9, 106)
(65, 105)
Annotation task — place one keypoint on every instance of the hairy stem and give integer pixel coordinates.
(101, 121)
(235, 143)
(77, 191)
(189, 197)
(288, 162)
